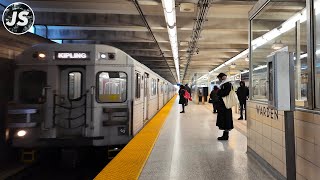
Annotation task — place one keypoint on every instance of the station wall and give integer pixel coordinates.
(266, 136)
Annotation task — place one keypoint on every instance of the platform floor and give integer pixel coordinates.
(187, 148)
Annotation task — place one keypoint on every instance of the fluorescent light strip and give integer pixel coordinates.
(170, 16)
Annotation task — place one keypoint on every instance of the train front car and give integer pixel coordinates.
(71, 95)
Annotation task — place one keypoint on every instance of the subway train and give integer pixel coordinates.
(81, 95)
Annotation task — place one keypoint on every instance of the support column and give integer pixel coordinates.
(298, 63)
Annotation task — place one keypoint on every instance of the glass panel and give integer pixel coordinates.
(317, 49)
(138, 85)
(274, 28)
(112, 87)
(31, 85)
(75, 85)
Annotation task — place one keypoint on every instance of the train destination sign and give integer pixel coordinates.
(72, 55)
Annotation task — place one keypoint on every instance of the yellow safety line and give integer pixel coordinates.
(129, 163)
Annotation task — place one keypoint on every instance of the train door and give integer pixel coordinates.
(146, 96)
(70, 102)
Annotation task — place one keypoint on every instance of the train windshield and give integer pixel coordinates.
(112, 87)
(31, 84)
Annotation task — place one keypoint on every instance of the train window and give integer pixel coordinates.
(31, 84)
(138, 85)
(154, 87)
(112, 87)
(74, 85)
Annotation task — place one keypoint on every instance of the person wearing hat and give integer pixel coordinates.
(224, 117)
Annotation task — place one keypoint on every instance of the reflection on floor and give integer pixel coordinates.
(187, 148)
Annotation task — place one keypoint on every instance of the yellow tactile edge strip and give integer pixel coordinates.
(129, 163)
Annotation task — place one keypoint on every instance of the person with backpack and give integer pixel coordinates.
(214, 98)
(182, 99)
(224, 117)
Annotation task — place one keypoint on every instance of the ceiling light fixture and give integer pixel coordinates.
(233, 65)
(247, 58)
(169, 10)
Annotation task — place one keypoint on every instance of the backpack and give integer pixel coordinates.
(187, 95)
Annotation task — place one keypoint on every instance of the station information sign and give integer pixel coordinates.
(72, 55)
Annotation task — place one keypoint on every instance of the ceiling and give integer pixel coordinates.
(119, 23)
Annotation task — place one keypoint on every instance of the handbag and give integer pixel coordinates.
(230, 100)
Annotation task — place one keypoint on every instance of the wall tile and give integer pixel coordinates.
(259, 127)
(266, 131)
(306, 150)
(267, 121)
(300, 177)
(268, 157)
(304, 116)
(277, 136)
(259, 139)
(278, 165)
(305, 130)
(307, 169)
(277, 151)
(259, 150)
(317, 155)
(267, 144)
(278, 123)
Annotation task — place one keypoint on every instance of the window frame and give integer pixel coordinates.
(97, 85)
(81, 90)
(138, 89)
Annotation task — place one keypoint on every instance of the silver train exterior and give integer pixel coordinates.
(82, 95)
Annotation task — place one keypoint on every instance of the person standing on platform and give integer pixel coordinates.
(224, 117)
(214, 98)
(243, 94)
(182, 100)
(187, 88)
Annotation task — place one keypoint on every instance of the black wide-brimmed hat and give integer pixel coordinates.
(221, 75)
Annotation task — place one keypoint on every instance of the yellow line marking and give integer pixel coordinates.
(128, 164)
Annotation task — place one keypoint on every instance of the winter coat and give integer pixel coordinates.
(182, 100)
(188, 89)
(243, 93)
(224, 118)
(214, 96)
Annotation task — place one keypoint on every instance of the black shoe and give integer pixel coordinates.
(224, 137)
(182, 112)
(241, 118)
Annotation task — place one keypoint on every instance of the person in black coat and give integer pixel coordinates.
(243, 94)
(224, 117)
(214, 98)
(182, 100)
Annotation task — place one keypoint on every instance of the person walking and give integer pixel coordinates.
(224, 117)
(243, 94)
(214, 98)
(187, 88)
(182, 100)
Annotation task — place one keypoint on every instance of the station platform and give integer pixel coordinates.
(187, 148)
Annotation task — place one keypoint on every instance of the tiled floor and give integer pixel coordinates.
(187, 148)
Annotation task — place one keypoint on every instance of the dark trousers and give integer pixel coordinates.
(182, 107)
(214, 108)
(243, 107)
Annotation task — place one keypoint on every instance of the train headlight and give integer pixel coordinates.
(103, 56)
(41, 55)
(21, 133)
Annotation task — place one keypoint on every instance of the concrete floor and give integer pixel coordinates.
(187, 148)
